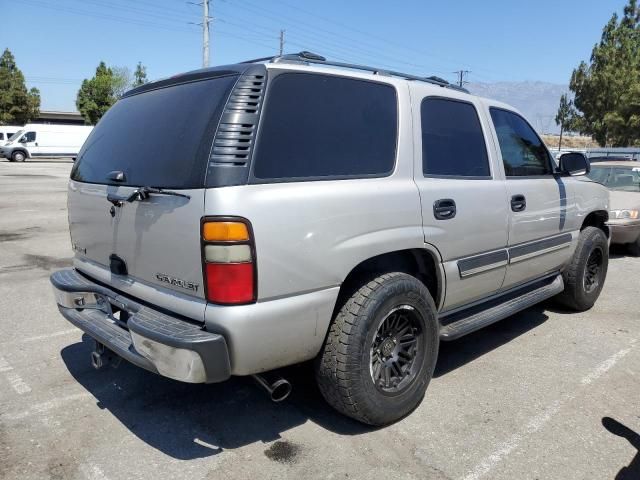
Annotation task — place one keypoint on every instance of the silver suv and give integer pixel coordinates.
(238, 219)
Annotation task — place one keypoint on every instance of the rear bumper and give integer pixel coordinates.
(624, 233)
(148, 338)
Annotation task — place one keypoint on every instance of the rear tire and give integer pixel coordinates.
(18, 156)
(584, 277)
(381, 350)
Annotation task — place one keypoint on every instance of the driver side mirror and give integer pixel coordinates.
(574, 164)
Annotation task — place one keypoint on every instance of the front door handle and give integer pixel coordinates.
(444, 209)
(518, 203)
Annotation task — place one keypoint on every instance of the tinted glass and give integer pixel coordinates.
(523, 153)
(159, 138)
(452, 139)
(30, 136)
(317, 126)
(625, 179)
(1, 136)
(599, 174)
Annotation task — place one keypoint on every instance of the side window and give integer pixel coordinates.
(452, 139)
(1, 136)
(523, 153)
(316, 126)
(30, 136)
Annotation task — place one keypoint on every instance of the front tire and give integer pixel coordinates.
(380, 351)
(584, 277)
(18, 156)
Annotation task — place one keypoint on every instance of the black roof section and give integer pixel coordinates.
(313, 58)
(301, 57)
(192, 76)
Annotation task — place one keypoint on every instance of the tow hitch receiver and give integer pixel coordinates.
(102, 356)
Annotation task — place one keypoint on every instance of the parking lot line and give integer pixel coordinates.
(17, 383)
(38, 338)
(92, 472)
(540, 420)
(14, 379)
(46, 406)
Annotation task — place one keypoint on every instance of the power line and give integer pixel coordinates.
(383, 42)
(461, 77)
(348, 47)
(206, 20)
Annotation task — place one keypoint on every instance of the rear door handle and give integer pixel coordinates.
(518, 203)
(444, 209)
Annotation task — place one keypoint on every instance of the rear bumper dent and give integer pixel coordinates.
(153, 340)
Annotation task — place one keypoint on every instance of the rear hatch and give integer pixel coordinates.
(159, 138)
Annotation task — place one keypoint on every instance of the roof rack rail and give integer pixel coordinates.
(310, 57)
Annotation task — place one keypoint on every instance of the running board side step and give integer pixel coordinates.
(460, 323)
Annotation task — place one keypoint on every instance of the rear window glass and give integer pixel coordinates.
(452, 140)
(160, 138)
(322, 126)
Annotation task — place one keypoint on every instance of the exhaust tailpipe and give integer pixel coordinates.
(278, 390)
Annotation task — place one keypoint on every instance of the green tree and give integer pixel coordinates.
(565, 116)
(17, 104)
(607, 90)
(96, 95)
(140, 75)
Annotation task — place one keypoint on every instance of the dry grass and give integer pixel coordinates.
(569, 142)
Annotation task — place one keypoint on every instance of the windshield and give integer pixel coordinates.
(624, 179)
(16, 135)
(159, 138)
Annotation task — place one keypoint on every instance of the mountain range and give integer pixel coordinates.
(538, 101)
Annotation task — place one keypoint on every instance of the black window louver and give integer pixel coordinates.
(236, 132)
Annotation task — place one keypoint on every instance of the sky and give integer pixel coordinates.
(57, 43)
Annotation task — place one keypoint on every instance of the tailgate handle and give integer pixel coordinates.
(116, 199)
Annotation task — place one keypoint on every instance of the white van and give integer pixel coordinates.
(6, 132)
(36, 140)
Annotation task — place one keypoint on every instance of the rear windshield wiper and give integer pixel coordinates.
(142, 193)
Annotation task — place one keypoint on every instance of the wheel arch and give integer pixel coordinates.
(22, 150)
(598, 219)
(422, 263)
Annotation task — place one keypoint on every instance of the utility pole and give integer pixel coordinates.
(205, 33)
(461, 74)
(206, 20)
(281, 42)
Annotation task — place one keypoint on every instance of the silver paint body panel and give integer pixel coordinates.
(310, 235)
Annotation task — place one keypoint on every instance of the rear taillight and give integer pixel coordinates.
(228, 256)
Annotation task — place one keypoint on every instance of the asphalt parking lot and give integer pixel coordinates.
(542, 395)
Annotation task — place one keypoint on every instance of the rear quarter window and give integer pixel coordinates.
(317, 126)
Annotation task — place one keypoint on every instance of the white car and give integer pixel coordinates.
(34, 140)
